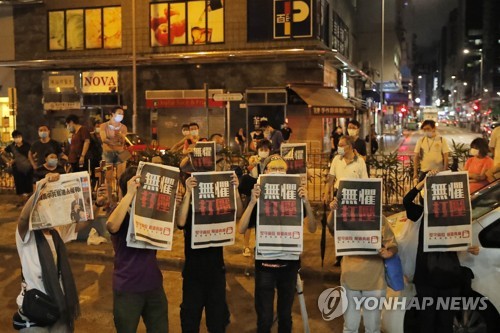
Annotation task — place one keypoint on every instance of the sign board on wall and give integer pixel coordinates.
(60, 82)
(99, 82)
(293, 19)
(279, 19)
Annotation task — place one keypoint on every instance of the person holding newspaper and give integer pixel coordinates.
(137, 279)
(275, 274)
(346, 164)
(204, 273)
(364, 276)
(46, 269)
(450, 280)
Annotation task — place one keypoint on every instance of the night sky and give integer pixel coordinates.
(426, 18)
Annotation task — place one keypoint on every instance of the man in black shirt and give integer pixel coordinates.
(43, 147)
(204, 273)
(271, 275)
(359, 144)
(286, 131)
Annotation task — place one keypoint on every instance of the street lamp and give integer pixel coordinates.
(480, 53)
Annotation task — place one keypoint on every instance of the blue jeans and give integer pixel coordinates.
(284, 280)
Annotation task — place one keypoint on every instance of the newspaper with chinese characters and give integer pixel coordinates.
(279, 231)
(151, 223)
(214, 210)
(203, 156)
(66, 201)
(358, 218)
(447, 212)
(295, 155)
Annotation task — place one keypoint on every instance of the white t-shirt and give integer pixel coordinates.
(341, 170)
(30, 262)
(495, 143)
(431, 150)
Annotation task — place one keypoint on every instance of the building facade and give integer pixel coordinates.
(165, 60)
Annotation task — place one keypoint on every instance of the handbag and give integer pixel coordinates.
(40, 307)
(394, 273)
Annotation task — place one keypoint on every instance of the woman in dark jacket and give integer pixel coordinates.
(428, 284)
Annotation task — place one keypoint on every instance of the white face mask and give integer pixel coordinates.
(429, 134)
(353, 131)
(118, 118)
(340, 151)
(473, 152)
(263, 153)
(18, 140)
(194, 132)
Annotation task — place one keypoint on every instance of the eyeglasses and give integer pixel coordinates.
(276, 170)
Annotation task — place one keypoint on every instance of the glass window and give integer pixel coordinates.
(486, 200)
(489, 237)
(191, 22)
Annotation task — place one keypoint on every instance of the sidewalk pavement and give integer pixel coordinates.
(174, 260)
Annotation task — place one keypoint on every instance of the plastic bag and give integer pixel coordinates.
(407, 241)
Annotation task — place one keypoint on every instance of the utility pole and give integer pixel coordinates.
(382, 80)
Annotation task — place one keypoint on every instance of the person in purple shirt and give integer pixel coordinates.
(137, 279)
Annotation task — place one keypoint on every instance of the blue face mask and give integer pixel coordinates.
(52, 162)
(43, 135)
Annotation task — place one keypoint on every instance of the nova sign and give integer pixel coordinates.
(99, 82)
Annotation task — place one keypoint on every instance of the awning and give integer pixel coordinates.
(324, 101)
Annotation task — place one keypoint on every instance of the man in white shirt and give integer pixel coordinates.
(431, 152)
(495, 144)
(346, 164)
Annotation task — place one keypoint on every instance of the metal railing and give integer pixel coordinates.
(396, 171)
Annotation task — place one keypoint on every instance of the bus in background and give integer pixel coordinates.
(430, 113)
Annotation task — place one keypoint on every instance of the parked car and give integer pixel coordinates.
(485, 267)
(486, 129)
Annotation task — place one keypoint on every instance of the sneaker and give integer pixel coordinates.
(247, 252)
(94, 238)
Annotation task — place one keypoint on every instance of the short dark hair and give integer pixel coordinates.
(429, 122)
(43, 125)
(264, 124)
(185, 126)
(348, 139)
(96, 121)
(16, 133)
(481, 145)
(125, 177)
(264, 143)
(115, 108)
(72, 118)
(194, 124)
(49, 153)
(355, 123)
(211, 138)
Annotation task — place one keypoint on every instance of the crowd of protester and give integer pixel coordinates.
(137, 280)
